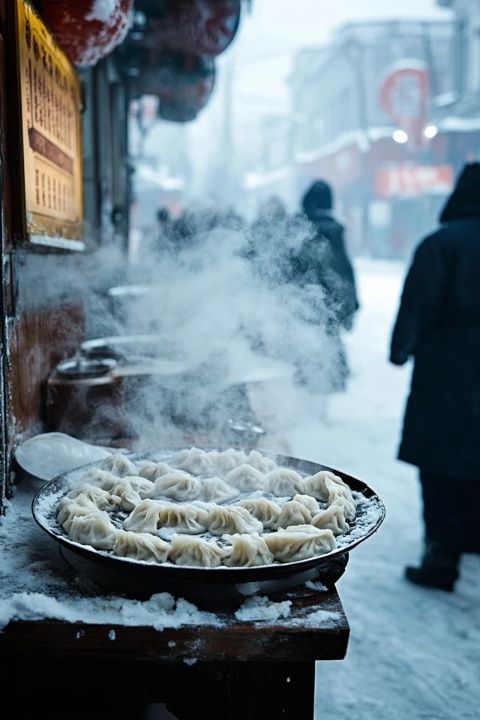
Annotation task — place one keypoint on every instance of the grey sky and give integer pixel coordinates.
(276, 29)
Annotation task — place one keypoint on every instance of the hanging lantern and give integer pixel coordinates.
(202, 27)
(88, 30)
(183, 84)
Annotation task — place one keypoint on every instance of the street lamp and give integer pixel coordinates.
(400, 136)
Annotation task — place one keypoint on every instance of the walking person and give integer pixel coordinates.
(438, 324)
(322, 270)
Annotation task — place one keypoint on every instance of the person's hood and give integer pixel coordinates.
(464, 202)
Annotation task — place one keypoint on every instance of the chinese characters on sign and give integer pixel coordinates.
(412, 180)
(51, 133)
(404, 96)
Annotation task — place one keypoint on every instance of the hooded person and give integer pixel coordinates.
(321, 261)
(438, 325)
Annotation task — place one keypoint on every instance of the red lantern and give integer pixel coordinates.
(183, 84)
(88, 30)
(202, 27)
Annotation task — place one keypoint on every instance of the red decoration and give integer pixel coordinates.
(202, 27)
(88, 30)
(183, 83)
(404, 94)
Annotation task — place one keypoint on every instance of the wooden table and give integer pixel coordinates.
(247, 670)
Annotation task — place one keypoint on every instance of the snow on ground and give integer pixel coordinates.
(413, 653)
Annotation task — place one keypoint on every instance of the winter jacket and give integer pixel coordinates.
(322, 262)
(438, 324)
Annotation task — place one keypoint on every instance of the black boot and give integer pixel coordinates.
(438, 569)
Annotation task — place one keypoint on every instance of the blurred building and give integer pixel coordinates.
(369, 115)
(465, 100)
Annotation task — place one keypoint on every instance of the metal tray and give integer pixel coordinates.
(207, 586)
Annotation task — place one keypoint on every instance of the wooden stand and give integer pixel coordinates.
(239, 670)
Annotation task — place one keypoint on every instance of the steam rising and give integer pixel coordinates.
(221, 311)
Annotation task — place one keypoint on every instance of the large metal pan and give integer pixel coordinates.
(206, 586)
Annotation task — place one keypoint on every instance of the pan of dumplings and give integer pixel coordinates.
(207, 524)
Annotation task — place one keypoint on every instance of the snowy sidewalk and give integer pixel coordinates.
(413, 653)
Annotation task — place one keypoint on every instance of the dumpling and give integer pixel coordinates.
(119, 465)
(262, 509)
(101, 498)
(227, 460)
(151, 516)
(246, 478)
(260, 462)
(293, 513)
(94, 529)
(141, 546)
(96, 476)
(216, 490)
(310, 503)
(185, 518)
(333, 518)
(195, 461)
(68, 509)
(232, 519)
(195, 552)
(317, 485)
(299, 543)
(347, 504)
(153, 470)
(247, 550)
(176, 485)
(283, 482)
(144, 517)
(129, 490)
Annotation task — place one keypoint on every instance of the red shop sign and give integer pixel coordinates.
(412, 180)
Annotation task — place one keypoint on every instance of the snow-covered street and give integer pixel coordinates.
(413, 653)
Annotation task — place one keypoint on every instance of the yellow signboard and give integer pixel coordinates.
(51, 135)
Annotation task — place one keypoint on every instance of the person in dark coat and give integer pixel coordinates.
(322, 261)
(438, 324)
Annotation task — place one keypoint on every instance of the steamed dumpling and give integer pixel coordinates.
(246, 478)
(216, 490)
(247, 550)
(119, 465)
(144, 517)
(262, 509)
(310, 503)
(299, 542)
(195, 461)
(100, 498)
(333, 518)
(96, 476)
(346, 503)
(152, 516)
(283, 482)
(260, 462)
(128, 490)
(320, 484)
(68, 509)
(232, 519)
(227, 460)
(153, 470)
(141, 546)
(176, 485)
(93, 529)
(294, 513)
(195, 552)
